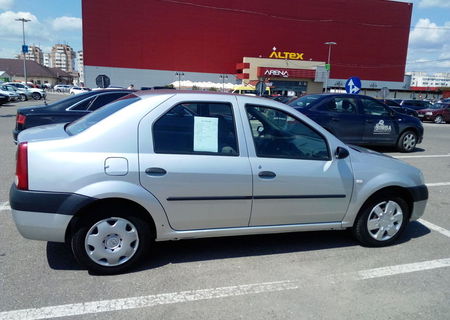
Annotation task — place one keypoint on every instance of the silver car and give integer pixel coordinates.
(169, 165)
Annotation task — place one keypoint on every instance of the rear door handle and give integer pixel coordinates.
(267, 174)
(155, 171)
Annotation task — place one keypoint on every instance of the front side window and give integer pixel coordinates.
(277, 134)
(374, 108)
(196, 128)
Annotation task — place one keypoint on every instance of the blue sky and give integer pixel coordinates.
(59, 21)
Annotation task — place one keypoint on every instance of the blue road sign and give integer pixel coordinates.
(353, 85)
(24, 48)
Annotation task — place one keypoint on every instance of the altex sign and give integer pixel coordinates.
(286, 55)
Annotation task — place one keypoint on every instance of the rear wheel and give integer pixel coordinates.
(407, 141)
(382, 220)
(110, 243)
(439, 119)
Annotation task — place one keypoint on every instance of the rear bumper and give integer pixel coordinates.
(44, 215)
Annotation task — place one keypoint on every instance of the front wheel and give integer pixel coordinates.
(439, 119)
(407, 141)
(381, 221)
(36, 95)
(110, 244)
(23, 97)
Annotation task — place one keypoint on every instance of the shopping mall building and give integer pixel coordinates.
(286, 43)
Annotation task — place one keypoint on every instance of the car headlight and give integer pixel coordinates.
(429, 113)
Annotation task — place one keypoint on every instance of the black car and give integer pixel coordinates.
(66, 110)
(361, 120)
(3, 98)
(394, 105)
(416, 104)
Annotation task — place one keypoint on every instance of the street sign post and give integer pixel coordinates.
(353, 85)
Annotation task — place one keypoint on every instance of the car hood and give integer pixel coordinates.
(46, 132)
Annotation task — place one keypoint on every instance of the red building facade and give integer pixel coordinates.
(212, 36)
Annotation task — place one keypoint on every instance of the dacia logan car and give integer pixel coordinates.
(169, 165)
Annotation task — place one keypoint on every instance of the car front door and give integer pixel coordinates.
(380, 123)
(295, 178)
(194, 160)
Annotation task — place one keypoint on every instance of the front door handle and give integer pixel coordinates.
(155, 171)
(267, 174)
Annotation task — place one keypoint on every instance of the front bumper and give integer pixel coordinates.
(44, 215)
(419, 195)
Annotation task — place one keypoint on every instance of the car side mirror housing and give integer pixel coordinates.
(341, 153)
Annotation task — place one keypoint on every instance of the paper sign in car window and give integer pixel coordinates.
(206, 131)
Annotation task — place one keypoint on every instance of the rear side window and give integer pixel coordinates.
(105, 99)
(90, 119)
(196, 128)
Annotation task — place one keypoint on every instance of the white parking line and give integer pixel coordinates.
(438, 184)
(434, 227)
(403, 268)
(94, 307)
(424, 156)
(4, 206)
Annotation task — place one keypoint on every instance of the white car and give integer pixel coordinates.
(62, 87)
(168, 165)
(76, 90)
(36, 93)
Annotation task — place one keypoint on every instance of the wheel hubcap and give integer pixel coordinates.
(385, 220)
(409, 141)
(111, 242)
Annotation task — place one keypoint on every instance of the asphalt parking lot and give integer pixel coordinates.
(313, 275)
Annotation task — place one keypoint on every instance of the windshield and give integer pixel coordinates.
(90, 119)
(438, 106)
(304, 101)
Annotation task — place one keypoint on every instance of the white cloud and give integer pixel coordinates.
(6, 4)
(428, 34)
(11, 29)
(66, 23)
(434, 3)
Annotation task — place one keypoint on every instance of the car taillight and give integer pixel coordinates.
(20, 119)
(22, 166)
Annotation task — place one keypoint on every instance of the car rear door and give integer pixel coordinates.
(295, 178)
(380, 123)
(339, 115)
(194, 160)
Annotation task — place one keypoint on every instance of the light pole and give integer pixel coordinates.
(179, 74)
(329, 44)
(223, 77)
(24, 48)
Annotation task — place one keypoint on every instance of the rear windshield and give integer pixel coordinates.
(304, 101)
(90, 119)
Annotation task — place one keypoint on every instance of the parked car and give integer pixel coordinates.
(62, 87)
(438, 113)
(11, 94)
(76, 90)
(115, 180)
(36, 93)
(416, 104)
(362, 120)
(397, 107)
(6, 88)
(3, 98)
(66, 110)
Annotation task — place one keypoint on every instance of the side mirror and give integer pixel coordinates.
(341, 153)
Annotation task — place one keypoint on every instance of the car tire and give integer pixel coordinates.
(23, 97)
(439, 119)
(381, 220)
(36, 96)
(110, 243)
(407, 141)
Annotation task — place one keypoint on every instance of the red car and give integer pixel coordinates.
(439, 113)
